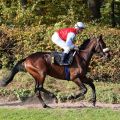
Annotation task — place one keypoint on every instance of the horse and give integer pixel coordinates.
(39, 65)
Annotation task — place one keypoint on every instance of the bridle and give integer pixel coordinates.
(102, 50)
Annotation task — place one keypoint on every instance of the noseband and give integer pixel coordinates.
(106, 50)
(102, 50)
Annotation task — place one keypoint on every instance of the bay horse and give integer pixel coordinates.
(39, 65)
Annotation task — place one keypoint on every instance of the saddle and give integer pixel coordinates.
(57, 57)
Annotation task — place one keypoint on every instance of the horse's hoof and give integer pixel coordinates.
(46, 106)
(94, 103)
(56, 100)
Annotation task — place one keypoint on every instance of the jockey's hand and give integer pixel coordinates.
(76, 48)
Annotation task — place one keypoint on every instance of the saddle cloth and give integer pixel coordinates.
(57, 57)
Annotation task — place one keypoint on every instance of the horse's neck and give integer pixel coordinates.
(87, 53)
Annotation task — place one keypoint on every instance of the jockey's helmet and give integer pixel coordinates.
(79, 25)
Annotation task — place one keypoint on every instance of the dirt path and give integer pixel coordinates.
(34, 103)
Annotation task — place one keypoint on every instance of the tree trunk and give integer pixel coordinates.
(24, 3)
(113, 14)
(94, 6)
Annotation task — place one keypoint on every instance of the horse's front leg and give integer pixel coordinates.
(89, 82)
(82, 88)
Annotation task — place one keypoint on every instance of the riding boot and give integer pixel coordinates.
(64, 59)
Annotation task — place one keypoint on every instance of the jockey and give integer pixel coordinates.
(65, 37)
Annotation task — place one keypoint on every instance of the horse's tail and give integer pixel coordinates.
(18, 67)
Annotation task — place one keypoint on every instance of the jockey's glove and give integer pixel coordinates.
(76, 48)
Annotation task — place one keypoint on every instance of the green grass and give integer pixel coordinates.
(59, 114)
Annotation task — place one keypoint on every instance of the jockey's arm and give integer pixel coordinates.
(70, 39)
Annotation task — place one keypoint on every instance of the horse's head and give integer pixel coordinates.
(100, 47)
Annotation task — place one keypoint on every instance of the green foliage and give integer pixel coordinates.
(22, 94)
(48, 12)
(18, 43)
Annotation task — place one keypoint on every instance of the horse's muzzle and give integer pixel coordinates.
(106, 55)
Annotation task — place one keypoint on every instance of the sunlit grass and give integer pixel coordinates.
(59, 114)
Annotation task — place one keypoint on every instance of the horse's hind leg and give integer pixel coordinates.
(38, 89)
(39, 78)
(38, 69)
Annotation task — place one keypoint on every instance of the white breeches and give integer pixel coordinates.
(58, 41)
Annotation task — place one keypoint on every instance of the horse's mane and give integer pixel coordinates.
(84, 44)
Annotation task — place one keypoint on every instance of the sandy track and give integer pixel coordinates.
(34, 103)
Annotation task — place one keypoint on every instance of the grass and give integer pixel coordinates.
(59, 114)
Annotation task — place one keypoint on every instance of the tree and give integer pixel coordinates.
(115, 13)
(94, 6)
(24, 3)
